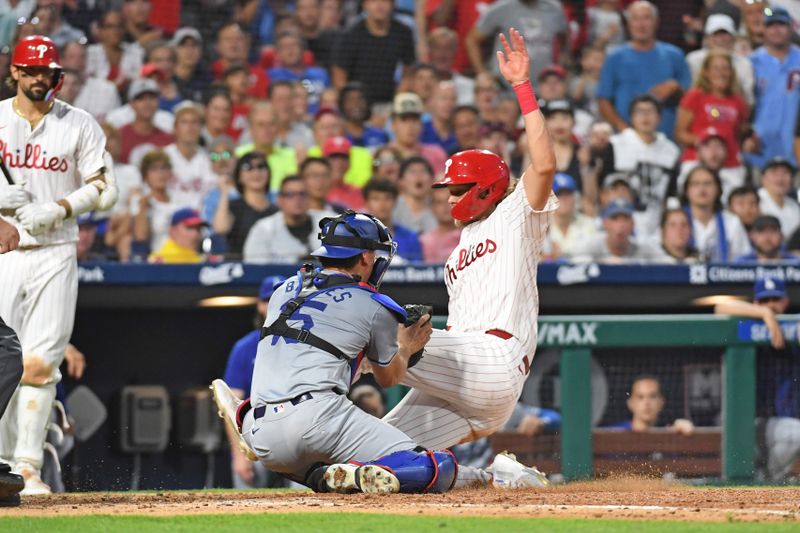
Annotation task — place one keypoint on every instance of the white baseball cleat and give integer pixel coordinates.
(227, 404)
(34, 486)
(508, 473)
(369, 479)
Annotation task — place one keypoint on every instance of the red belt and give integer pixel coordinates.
(499, 333)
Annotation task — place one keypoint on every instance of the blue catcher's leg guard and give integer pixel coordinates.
(421, 471)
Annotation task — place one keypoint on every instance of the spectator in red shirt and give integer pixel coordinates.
(233, 45)
(714, 101)
(235, 80)
(337, 151)
(141, 136)
(714, 107)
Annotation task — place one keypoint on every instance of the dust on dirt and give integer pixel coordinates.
(621, 498)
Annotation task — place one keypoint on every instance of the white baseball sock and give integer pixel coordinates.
(34, 405)
(469, 476)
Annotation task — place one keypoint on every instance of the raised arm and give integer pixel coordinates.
(515, 67)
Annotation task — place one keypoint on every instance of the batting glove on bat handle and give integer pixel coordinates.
(13, 197)
(40, 218)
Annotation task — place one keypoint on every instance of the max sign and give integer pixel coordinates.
(568, 333)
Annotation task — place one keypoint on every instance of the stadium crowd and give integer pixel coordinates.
(236, 126)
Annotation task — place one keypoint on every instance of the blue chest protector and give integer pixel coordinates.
(312, 283)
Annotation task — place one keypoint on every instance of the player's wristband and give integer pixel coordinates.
(525, 97)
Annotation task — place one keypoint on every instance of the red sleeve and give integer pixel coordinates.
(259, 88)
(691, 100)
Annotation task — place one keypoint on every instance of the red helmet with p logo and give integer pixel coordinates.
(40, 51)
(486, 172)
(36, 51)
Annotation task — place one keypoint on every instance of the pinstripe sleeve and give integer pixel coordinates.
(91, 145)
(519, 215)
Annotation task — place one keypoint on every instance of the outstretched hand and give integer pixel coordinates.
(513, 59)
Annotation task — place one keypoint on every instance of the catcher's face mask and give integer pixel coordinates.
(353, 233)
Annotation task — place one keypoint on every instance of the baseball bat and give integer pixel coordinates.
(10, 180)
(5, 171)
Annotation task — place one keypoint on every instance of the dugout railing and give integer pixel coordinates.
(576, 337)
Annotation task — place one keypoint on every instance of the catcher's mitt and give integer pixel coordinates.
(413, 313)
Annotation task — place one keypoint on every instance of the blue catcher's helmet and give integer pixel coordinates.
(350, 234)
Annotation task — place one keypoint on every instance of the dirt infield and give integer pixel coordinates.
(620, 498)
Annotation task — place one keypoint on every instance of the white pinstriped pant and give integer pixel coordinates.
(464, 388)
(38, 293)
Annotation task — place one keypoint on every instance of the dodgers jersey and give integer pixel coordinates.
(347, 317)
(50, 161)
(491, 274)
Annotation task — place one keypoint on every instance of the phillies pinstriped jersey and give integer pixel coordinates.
(51, 160)
(491, 275)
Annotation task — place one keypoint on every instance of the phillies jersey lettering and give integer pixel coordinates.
(33, 156)
(467, 256)
(491, 275)
(51, 160)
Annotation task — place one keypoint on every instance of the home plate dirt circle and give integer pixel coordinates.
(619, 499)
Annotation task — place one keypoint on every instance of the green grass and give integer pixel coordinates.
(357, 522)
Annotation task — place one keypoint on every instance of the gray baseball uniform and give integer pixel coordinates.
(301, 415)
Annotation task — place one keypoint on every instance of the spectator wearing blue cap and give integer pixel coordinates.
(570, 228)
(777, 377)
(238, 375)
(776, 66)
(185, 234)
(616, 246)
(90, 248)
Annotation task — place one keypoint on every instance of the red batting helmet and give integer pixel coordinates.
(488, 174)
(36, 51)
(40, 51)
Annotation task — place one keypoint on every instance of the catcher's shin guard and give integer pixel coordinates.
(421, 471)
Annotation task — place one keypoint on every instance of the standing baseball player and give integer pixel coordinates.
(55, 167)
(471, 375)
(321, 325)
